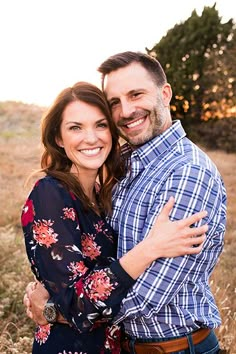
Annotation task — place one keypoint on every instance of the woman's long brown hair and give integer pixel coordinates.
(54, 161)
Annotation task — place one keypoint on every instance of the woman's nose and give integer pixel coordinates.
(90, 136)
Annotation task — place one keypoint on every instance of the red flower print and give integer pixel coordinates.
(98, 286)
(42, 333)
(90, 248)
(77, 268)
(99, 228)
(69, 213)
(99, 225)
(113, 339)
(79, 288)
(27, 213)
(44, 234)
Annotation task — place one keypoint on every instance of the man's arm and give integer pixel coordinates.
(160, 284)
(35, 298)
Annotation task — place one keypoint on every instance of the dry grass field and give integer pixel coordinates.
(19, 155)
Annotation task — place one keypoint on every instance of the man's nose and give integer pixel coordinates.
(127, 109)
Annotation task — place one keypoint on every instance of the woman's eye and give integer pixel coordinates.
(103, 125)
(74, 127)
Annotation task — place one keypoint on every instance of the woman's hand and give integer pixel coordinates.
(166, 239)
(176, 238)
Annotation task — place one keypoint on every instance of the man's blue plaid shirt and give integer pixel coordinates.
(173, 296)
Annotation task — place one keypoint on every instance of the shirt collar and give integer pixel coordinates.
(157, 146)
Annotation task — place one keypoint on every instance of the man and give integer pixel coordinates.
(172, 298)
(170, 309)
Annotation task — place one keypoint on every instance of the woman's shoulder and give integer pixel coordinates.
(48, 180)
(48, 184)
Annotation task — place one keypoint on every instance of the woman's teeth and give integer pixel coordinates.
(90, 152)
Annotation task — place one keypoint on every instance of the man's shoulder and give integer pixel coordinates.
(193, 158)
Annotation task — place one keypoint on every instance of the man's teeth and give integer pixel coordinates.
(90, 152)
(134, 124)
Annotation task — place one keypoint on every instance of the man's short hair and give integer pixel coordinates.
(124, 59)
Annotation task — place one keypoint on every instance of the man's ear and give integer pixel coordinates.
(166, 94)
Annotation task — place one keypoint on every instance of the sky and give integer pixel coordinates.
(47, 45)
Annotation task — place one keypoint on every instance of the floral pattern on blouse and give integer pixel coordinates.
(113, 335)
(42, 333)
(98, 286)
(28, 213)
(72, 252)
(90, 247)
(77, 268)
(69, 213)
(43, 233)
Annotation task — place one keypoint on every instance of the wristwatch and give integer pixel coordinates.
(50, 311)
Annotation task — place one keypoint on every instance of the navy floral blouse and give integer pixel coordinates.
(72, 252)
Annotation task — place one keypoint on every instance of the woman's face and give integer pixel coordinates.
(85, 136)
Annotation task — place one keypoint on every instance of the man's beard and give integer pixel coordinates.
(157, 121)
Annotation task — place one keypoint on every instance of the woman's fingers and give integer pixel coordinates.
(178, 237)
(190, 245)
(165, 212)
(197, 244)
(186, 228)
(190, 236)
(194, 218)
(196, 231)
(195, 241)
(191, 220)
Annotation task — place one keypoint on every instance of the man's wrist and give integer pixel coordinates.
(50, 311)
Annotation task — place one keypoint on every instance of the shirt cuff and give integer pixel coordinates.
(122, 275)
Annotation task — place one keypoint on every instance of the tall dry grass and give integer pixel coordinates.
(224, 276)
(19, 155)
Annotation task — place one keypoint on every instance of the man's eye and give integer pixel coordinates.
(113, 103)
(136, 94)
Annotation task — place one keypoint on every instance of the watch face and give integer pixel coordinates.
(50, 313)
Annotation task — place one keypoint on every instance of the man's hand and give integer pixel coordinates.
(34, 300)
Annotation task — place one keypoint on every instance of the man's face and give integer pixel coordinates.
(140, 109)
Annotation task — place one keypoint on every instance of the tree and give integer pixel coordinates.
(199, 57)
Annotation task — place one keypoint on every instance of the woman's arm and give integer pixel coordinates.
(71, 253)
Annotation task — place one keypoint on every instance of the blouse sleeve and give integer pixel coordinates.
(84, 290)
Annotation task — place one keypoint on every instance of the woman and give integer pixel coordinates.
(70, 246)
